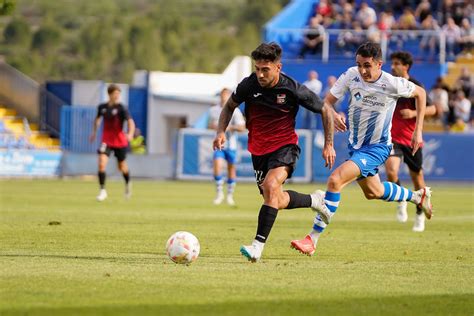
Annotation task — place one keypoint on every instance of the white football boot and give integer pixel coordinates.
(230, 200)
(402, 215)
(253, 252)
(219, 198)
(128, 190)
(102, 195)
(419, 225)
(424, 201)
(318, 205)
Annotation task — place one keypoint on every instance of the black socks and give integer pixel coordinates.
(266, 218)
(298, 200)
(101, 179)
(126, 176)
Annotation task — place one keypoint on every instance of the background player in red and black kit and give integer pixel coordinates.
(403, 125)
(271, 103)
(114, 139)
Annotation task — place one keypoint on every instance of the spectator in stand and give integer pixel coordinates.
(465, 82)
(349, 40)
(423, 10)
(313, 83)
(453, 36)
(467, 36)
(324, 8)
(382, 5)
(407, 20)
(386, 21)
(366, 15)
(440, 99)
(313, 38)
(429, 42)
(462, 112)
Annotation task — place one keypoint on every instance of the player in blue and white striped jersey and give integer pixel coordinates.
(373, 97)
(229, 153)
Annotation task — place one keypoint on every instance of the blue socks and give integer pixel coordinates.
(394, 192)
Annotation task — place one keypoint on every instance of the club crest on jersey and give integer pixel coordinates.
(281, 98)
(114, 112)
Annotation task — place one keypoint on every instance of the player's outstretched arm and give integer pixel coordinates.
(417, 139)
(224, 119)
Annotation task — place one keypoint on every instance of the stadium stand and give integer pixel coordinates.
(16, 132)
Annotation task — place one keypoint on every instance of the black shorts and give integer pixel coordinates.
(414, 163)
(284, 156)
(119, 152)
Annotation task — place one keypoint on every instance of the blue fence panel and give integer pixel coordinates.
(76, 127)
(138, 107)
(50, 112)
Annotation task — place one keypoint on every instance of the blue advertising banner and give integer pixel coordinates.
(445, 157)
(29, 163)
(194, 159)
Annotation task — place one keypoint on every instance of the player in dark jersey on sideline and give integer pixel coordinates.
(271, 101)
(114, 139)
(403, 126)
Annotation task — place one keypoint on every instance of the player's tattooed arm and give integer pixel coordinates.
(329, 154)
(224, 119)
(417, 139)
(226, 115)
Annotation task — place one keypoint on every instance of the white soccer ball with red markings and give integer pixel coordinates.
(183, 247)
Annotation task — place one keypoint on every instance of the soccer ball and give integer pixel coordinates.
(183, 247)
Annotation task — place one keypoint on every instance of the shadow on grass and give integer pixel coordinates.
(395, 305)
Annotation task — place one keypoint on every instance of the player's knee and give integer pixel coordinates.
(270, 187)
(334, 182)
(391, 173)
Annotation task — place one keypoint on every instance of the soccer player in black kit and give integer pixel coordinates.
(271, 101)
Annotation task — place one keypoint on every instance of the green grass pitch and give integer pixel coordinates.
(61, 252)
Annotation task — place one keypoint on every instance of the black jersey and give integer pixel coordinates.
(271, 112)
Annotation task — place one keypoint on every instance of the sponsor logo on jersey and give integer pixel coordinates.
(256, 95)
(356, 79)
(364, 161)
(281, 98)
(358, 96)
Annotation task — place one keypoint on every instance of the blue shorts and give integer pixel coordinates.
(369, 158)
(228, 154)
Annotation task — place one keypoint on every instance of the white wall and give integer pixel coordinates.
(161, 107)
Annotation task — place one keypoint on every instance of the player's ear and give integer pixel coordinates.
(379, 64)
(279, 65)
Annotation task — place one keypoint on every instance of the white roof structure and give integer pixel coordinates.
(199, 84)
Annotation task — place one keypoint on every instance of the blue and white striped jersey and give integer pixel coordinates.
(237, 119)
(371, 105)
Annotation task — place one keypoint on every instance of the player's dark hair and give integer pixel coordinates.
(267, 51)
(113, 87)
(370, 49)
(404, 57)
